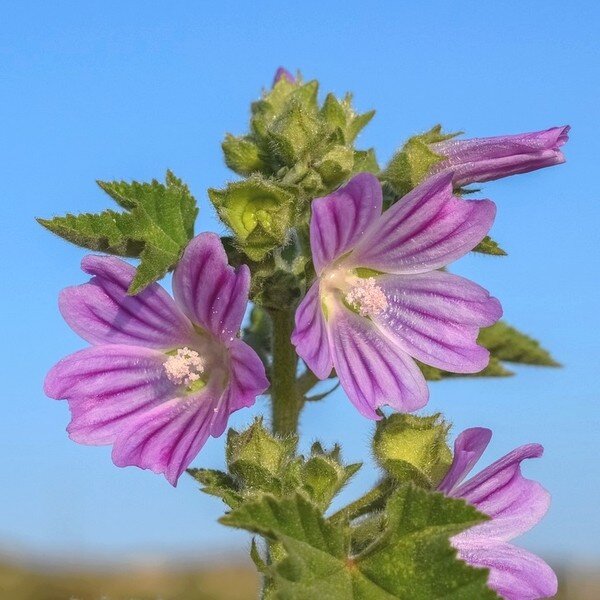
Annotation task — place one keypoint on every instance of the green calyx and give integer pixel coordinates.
(413, 162)
(258, 211)
(413, 449)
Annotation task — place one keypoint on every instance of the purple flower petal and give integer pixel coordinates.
(166, 438)
(341, 218)
(425, 230)
(515, 574)
(102, 312)
(485, 159)
(209, 291)
(372, 370)
(435, 317)
(106, 387)
(283, 73)
(468, 448)
(310, 334)
(515, 504)
(247, 380)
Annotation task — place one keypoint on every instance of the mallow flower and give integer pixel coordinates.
(380, 300)
(484, 159)
(514, 505)
(161, 375)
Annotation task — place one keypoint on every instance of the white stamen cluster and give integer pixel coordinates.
(367, 297)
(184, 367)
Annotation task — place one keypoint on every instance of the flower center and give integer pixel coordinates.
(184, 367)
(366, 297)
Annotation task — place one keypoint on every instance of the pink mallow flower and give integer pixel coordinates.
(379, 301)
(484, 159)
(161, 375)
(514, 505)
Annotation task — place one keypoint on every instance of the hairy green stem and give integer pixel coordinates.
(373, 500)
(286, 399)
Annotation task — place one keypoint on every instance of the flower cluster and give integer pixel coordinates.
(164, 373)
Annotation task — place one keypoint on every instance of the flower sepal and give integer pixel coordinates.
(414, 161)
(413, 449)
(258, 211)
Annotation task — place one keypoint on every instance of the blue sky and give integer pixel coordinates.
(116, 90)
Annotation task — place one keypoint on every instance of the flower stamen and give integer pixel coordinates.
(184, 367)
(367, 297)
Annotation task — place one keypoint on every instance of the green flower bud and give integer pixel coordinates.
(335, 167)
(292, 135)
(340, 115)
(323, 475)
(243, 156)
(412, 448)
(256, 458)
(257, 211)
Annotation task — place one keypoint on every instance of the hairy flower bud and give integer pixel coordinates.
(413, 448)
(257, 211)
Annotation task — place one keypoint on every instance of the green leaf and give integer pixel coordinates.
(410, 557)
(104, 232)
(157, 227)
(489, 246)
(508, 344)
(218, 483)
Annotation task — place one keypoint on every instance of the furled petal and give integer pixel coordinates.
(166, 438)
(102, 312)
(485, 159)
(515, 574)
(340, 219)
(210, 292)
(310, 334)
(425, 230)
(247, 380)
(468, 448)
(283, 73)
(373, 371)
(514, 503)
(435, 317)
(106, 387)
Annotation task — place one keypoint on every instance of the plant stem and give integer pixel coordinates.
(373, 500)
(286, 400)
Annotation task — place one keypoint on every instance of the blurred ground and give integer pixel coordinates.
(18, 582)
